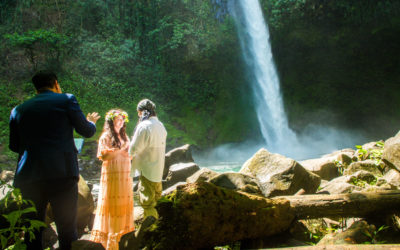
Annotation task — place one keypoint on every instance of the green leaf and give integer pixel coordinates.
(3, 241)
(36, 224)
(12, 217)
(18, 246)
(368, 234)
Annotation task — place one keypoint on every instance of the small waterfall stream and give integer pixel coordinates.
(254, 39)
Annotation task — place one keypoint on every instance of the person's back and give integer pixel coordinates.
(41, 132)
(151, 160)
(43, 121)
(45, 126)
(148, 151)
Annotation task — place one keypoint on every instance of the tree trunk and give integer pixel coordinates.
(347, 205)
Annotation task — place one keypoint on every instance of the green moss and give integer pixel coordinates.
(202, 214)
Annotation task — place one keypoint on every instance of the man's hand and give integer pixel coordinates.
(93, 117)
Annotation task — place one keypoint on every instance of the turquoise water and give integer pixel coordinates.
(221, 167)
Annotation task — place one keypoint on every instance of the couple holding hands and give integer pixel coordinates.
(41, 132)
(114, 214)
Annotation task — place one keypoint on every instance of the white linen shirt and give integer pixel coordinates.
(148, 149)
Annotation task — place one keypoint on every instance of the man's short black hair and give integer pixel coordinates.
(44, 79)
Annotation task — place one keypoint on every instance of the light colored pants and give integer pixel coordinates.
(149, 193)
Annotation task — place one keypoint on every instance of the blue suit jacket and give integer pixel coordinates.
(41, 132)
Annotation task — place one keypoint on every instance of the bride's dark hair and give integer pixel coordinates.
(109, 128)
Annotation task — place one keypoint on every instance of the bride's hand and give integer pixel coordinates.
(125, 153)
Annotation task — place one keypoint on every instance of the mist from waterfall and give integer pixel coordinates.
(313, 141)
(254, 40)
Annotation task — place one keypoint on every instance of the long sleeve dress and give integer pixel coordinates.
(114, 213)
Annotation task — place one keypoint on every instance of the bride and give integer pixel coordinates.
(114, 213)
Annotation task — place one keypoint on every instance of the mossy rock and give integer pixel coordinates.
(202, 215)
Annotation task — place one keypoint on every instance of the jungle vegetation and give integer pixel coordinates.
(338, 62)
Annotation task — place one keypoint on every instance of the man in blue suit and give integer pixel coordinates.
(41, 132)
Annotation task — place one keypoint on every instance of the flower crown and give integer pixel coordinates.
(110, 115)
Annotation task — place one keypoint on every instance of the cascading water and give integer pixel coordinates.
(254, 39)
(313, 141)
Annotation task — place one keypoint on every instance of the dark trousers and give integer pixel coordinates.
(62, 194)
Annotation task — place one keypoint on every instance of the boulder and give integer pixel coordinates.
(4, 189)
(7, 175)
(179, 172)
(366, 165)
(49, 237)
(132, 240)
(362, 175)
(237, 181)
(347, 151)
(337, 187)
(370, 146)
(85, 205)
(391, 152)
(204, 174)
(182, 154)
(392, 178)
(323, 167)
(172, 188)
(348, 183)
(279, 175)
(357, 233)
(323, 183)
(345, 158)
(202, 216)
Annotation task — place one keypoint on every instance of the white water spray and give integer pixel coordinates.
(254, 39)
(312, 142)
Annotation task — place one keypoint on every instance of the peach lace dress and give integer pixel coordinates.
(114, 213)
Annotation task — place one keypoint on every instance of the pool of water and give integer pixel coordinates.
(222, 167)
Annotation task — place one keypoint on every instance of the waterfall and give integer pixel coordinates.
(254, 39)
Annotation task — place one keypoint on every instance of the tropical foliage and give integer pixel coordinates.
(336, 59)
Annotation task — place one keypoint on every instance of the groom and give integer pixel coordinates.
(148, 150)
(41, 132)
